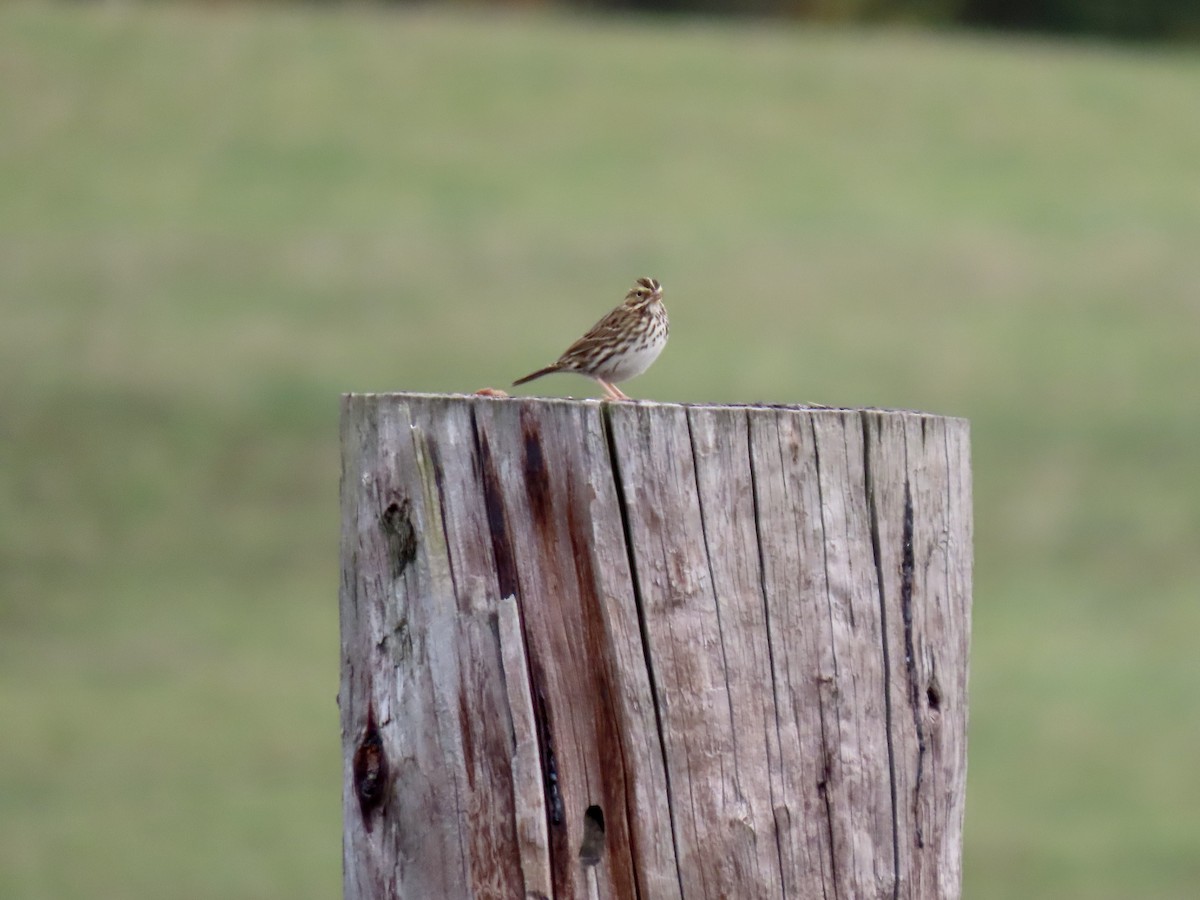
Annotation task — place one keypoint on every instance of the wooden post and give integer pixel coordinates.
(641, 650)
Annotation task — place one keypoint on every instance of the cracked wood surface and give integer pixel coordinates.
(641, 650)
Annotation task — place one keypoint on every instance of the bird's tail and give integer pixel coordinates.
(553, 367)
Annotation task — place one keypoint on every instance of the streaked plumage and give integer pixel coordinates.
(620, 346)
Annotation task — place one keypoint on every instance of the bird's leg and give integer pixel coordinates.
(611, 391)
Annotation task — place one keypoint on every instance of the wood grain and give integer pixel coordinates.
(642, 650)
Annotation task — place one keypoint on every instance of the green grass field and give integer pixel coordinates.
(212, 222)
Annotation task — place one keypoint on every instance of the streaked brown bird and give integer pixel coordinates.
(620, 346)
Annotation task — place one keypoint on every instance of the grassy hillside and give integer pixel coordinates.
(214, 221)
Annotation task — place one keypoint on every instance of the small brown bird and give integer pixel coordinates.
(620, 346)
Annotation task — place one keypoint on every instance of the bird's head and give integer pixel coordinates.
(644, 292)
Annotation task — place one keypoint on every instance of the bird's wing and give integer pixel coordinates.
(603, 332)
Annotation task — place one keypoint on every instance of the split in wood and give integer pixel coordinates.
(370, 771)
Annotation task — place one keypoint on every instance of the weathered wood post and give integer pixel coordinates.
(641, 650)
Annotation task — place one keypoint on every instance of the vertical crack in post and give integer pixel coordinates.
(439, 484)
(493, 504)
(712, 584)
(762, 583)
(554, 805)
(822, 678)
(876, 550)
(431, 508)
(639, 603)
(539, 497)
(910, 656)
(508, 581)
(823, 790)
(610, 732)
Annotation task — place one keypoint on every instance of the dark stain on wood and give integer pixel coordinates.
(537, 478)
(370, 766)
(466, 727)
(493, 502)
(396, 523)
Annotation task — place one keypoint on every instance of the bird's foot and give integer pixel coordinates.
(612, 392)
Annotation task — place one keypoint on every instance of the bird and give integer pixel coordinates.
(620, 346)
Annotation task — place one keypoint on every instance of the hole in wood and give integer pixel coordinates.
(397, 526)
(933, 694)
(370, 767)
(592, 847)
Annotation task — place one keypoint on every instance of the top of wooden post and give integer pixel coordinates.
(640, 402)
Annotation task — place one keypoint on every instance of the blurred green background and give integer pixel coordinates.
(215, 220)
